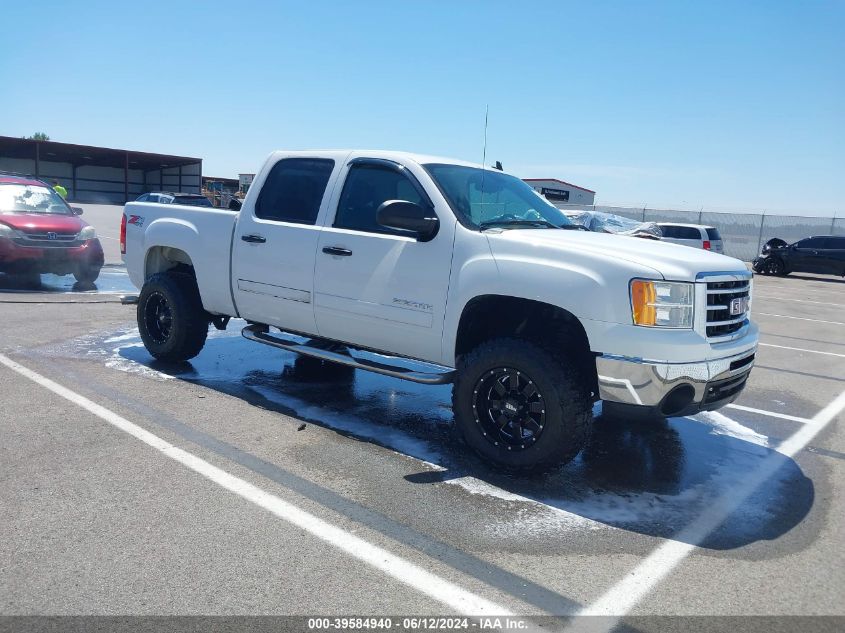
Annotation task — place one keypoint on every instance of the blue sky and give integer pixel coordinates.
(720, 105)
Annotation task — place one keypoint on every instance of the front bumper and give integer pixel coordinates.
(674, 388)
(58, 259)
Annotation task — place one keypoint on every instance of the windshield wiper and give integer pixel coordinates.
(574, 227)
(517, 222)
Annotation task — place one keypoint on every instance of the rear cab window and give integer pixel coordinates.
(293, 190)
(713, 234)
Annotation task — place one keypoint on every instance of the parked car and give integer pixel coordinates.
(823, 254)
(695, 235)
(41, 233)
(383, 258)
(602, 222)
(169, 197)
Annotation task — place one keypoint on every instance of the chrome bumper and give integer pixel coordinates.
(647, 383)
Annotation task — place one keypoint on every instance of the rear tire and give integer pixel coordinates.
(171, 319)
(520, 406)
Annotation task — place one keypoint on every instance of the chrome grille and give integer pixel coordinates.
(721, 295)
(48, 240)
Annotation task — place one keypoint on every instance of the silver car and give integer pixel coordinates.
(695, 235)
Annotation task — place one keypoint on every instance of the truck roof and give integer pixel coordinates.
(422, 159)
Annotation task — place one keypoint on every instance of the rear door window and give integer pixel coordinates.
(294, 190)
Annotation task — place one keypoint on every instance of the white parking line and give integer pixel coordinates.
(784, 316)
(440, 589)
(771, 414)
(621, 599)
(801, 349)
(821, 303)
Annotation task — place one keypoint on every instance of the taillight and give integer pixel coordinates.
(123, 235)
(706, 242)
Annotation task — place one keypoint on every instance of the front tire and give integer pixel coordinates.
(520, 406)
(87, 273)
(171, 319)
(774, 267)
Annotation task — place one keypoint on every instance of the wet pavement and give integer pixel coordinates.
(113, 280)
(650, 478)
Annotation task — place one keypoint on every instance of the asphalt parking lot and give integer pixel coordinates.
(241, 484)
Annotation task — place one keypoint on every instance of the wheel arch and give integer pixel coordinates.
(489, 316)
(159, 259)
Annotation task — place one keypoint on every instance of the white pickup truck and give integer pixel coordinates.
(379, 257)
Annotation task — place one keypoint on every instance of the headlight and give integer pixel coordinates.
(88, 233)
(662, 303)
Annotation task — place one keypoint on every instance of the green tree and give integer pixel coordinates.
(38, 136)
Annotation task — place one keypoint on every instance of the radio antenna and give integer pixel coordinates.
(484, 152)
(484, 159)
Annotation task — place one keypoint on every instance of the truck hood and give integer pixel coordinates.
(43, 222)
(670, 261)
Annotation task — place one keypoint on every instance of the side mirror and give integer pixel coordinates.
(235, 204)
(77, 210)
(408, 216)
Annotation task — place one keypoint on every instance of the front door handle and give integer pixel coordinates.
(254, 239)
(337, 250)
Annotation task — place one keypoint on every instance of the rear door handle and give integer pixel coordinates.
(254, 239)
(337, 250)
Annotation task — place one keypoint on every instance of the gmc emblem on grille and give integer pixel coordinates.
(52, 236)
(739, 306)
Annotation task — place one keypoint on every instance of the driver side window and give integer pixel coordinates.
(366, 188)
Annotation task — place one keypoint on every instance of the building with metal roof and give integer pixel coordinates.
(100, 174)
(562, 192)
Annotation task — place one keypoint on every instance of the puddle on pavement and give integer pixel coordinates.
(651, 478)
(112, 280)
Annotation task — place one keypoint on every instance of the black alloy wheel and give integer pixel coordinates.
(158, 318)
(509, 409)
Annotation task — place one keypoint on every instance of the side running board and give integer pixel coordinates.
(260, 334)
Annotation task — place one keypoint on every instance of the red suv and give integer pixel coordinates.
(41, 233)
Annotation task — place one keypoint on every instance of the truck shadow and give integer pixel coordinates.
(652, 479)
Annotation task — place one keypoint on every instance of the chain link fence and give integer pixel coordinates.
(743, 233)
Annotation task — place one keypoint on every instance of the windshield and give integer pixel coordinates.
(20, 198)
(483, 197)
